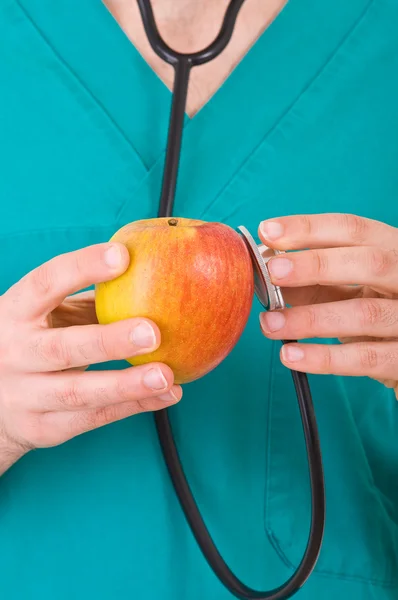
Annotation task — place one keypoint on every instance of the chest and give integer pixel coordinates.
(83, 137)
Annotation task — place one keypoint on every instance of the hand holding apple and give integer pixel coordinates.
(194, 280)
(49, 335)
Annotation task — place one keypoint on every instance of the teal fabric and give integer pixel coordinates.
(306, 123)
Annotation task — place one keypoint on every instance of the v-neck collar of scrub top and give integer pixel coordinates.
(240, 115)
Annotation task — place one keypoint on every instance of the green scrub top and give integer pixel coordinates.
(306, 123)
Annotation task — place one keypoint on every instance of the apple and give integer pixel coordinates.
(194, 279)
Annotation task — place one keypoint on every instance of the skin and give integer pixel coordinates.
(344, 285)
(47, 396)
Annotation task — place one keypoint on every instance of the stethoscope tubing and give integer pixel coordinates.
(182, 64)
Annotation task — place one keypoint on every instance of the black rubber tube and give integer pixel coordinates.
(199, 529)
(195, 58)
(182, 64)
(173, 151)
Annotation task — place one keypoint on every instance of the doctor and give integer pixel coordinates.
(292, 130)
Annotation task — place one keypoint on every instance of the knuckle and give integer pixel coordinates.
(103, 416)
(142, 405)
(392, 356)
(103, 346)
(79, 263)
(305, 224)
(357, 227)
(381, 262)
(56, 352)
(371, 312)
(69, 396)
(326, 360)
(311, 316)
(368, 356)
(377, 312)
(42, 279)
(320, 263)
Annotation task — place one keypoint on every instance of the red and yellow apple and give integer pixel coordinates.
(194, 279)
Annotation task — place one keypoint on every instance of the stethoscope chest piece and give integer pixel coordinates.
(269, 295)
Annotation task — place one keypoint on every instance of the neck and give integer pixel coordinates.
(188, 23)
(176, 9)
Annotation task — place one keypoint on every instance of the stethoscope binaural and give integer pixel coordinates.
(269, 296)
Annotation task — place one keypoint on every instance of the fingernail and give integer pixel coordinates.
(113, 257)
(169, 397)
(280, 267)
(143, 335)
(155, 380)
(292, 353)
(271, 230)
(273, 321)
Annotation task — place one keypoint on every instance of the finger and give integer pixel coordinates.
(74, 347)
(362, 265)
(79, 390)
(326, 231)
(346, 319)
(378, 360)
(44, 288)
(317, 294)
(366, 338)
(66, 425)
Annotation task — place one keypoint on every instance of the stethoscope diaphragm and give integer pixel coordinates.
(269, 295)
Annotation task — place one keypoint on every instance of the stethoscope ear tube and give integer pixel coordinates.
(266, 293)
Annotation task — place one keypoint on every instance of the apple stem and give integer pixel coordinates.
(172, 222)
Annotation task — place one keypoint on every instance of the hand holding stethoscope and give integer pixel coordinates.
(344, 286)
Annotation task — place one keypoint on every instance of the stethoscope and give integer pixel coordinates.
(270, 297)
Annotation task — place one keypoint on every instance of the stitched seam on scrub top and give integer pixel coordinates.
(81, 83)
(278, 122)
